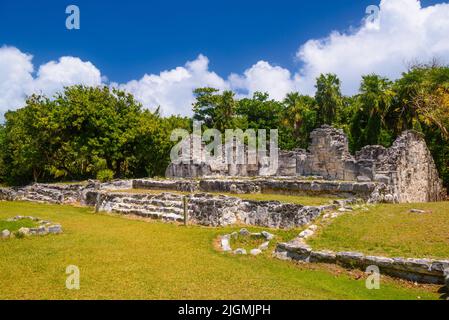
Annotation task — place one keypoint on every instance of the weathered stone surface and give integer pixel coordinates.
(178, 185)
(350, 258)
(225, 245)
(24, 231)
(322, 256)
(264, 246)
(5, 234)
(255, 252)
(417, 270)
(417, 211)
(240, 251)
(406, 169)
(55, 229)
(306, 234)
(446, 277)
(267, 235)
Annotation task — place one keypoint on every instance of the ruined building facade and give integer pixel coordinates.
(405, 172)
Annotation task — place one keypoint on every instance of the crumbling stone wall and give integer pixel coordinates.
(329, 156)
(405, 172)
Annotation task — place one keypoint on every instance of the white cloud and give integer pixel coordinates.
(15, 77)
(17, 80)
(405, 32)
(264, 77)
(173, 89)
(53, 76)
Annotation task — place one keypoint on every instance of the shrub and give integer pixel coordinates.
(105, 175)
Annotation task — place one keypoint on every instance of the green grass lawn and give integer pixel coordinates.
(16, 225)
(131, 259)
(390, 230)
(296, 199)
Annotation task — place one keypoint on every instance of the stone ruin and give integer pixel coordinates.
(403, 173)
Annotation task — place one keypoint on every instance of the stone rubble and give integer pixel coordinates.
(45, 227)
(417, 270)
(226, 247)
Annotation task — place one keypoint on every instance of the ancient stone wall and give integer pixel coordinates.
(207, 209)
(405, 172)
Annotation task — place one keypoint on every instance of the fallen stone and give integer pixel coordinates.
(267, 235)
(244, 232)
(417, 211)
(255, 252)
(55, 229)
(306, 233)
(240, 251)
(335, 215)
(389, 198)
(264, 246)
(313, 227)
(446, 277)
(234, 235)
(225, 245)
(382, 178)
(24, 231)
(6, 234)
(363, 179)
(256, 234)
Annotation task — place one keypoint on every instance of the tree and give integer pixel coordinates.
(215, 110)
(328, 98)
(85, 131)
(373, 104)
(419, 79)
(300, 115)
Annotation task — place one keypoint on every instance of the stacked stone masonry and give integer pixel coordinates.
(404, 173)
(417, 270)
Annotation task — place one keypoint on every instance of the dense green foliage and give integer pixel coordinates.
(85, 133)
(381, 110)
(105, 133)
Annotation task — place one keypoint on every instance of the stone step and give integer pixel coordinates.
(150, 214)
(149, 207)
(37, 197)
(153, 202)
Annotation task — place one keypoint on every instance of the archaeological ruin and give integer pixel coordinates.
(403, 173)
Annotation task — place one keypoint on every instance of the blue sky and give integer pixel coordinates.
(145, 46)
(128, 38)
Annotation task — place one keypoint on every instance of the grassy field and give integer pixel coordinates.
(390, 230)
(16, 225)
(304, 200)
(130, 259)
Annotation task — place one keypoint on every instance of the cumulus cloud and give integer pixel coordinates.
(173, 89)
(405, 32)
(55, 75)
(17, 79)
(265, 78)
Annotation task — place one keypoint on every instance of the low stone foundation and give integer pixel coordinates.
(45, 227)
(417, 270)
(344, 189)
(207, 209)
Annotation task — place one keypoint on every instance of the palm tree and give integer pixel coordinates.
(375, 98)
(328, 97)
